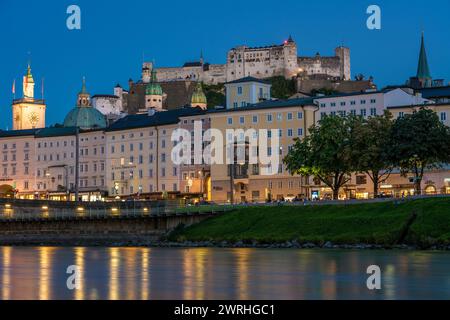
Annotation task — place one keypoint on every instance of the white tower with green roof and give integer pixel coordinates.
(153, 93)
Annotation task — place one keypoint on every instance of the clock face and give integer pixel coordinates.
(33, 118)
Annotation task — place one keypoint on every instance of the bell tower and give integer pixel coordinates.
(28, 112)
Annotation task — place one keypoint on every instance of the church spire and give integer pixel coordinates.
(83, 86)
(28, 84)
(423, 70)
(84, 99)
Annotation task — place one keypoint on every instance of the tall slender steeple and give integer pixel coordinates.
(423, 70)
(28, 84)
(84, 99)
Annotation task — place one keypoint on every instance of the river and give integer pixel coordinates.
(210, 273)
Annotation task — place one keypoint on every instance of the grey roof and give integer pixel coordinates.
(105, 96)
(17, 133)
(435, 92)
(55, 132)
(248, 79)
(193, 64)
(270, 104)
(340, 95)
(158, 119)
(39, 133)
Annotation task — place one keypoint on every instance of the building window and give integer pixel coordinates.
(279, 117)
(361, 180)
(230, 121)
(289, 133)
(443, 116)
(373, 111)
(239, 90)
(299, 115)
(241, 120)
(269, 118)
(300, 131)
(363, 112)
(255, 119)
(289, 116)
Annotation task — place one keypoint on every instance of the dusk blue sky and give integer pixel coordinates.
(114, 35)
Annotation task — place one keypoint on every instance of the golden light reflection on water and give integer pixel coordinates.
(194, 273)
(6, 275)
(130, 273)
(114, 266)
(242, 257)
(389, 280)
(329, 281)
(198, 274)
(45, 272)
(145, 274)
(80, 256)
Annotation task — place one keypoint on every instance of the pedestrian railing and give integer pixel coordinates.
(45, 210)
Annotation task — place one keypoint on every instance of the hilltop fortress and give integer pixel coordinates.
(260, 62)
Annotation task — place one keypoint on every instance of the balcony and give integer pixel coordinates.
(29, 100)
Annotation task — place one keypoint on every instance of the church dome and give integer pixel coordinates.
(85, 118)
(198, 97)
(84, 115)
(153, 88)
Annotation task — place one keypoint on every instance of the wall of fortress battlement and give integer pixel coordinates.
(261, 62)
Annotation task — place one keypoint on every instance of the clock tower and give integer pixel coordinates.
(28, 112)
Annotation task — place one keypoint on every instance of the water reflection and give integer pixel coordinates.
(114, 264)
(80, 256)
(6, 274)
(45, 272)
(143, 273)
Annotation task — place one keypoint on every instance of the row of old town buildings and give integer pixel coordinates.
(120, 145)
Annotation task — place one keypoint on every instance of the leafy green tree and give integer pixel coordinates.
(326, 153)
(215, 95)
(420, 141)
(282, 88)
(372, 148)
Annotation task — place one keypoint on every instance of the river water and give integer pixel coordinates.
(172, 273)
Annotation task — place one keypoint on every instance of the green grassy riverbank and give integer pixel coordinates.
(423, 222)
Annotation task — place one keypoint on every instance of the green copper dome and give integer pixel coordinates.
(84, 115)
(198, 97)
(85, 118)
(153, 88)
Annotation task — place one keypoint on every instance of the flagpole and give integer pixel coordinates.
(14, 89)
